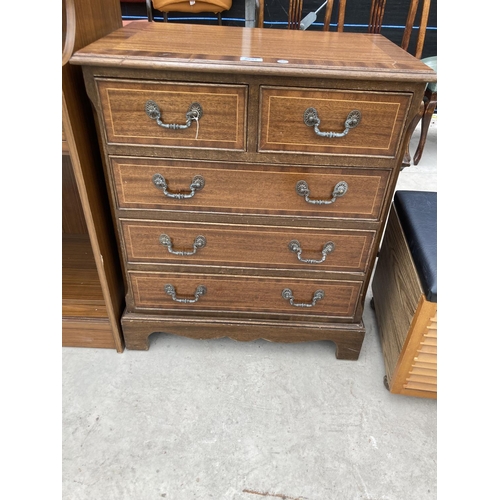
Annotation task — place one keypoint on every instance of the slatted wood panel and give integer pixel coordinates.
(423, 374)
(396, 292)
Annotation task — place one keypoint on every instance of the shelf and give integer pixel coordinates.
(81, 288)
(84, 314)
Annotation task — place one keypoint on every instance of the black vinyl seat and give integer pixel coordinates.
(417, 212)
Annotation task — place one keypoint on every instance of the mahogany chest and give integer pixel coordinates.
(250, 173)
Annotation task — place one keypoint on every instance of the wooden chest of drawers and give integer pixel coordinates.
(250, 173)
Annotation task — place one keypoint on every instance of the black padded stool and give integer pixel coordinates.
(405, 294)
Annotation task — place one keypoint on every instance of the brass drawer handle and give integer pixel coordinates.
(194, 113)
(287, 294)
(200, 290)
(328, 247)
(339, 190)
(311, 119)
(196, 184)
(199, 242)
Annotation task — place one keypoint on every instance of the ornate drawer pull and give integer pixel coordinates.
(200, 290)
(196, 184)
(199, 242)
(194, 112)
(328, 247)
(311, 119)
(287, 294)
(339, 190)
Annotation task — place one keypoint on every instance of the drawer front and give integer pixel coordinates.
(222, 124)
(257, 189)
(246, 246)
(244, 294)
(378, 133)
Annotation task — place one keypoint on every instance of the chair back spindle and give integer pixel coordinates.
(377, 11)
(294, 14)
(424, 16)
(430, 98)
(376, 15)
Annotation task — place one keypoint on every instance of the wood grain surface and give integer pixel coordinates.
(221, 126)
(252, 150)
(261, 295)
(248, 50)
(246, 245)
(253, 189)
(378, 133)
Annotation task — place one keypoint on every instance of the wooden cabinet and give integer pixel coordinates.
(250, 173)
(92, 282)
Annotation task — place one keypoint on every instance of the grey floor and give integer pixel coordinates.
(218, 419)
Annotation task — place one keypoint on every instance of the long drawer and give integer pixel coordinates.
(131, 111)
(288, 117)
(210, 292)
(152, 184)
(167, 242)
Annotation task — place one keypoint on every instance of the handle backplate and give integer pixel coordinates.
(194, 112)
(200, 290)
(197, 184)
(302, 189)
(328, 247)
(287, 294)
(311, 119)
(199, 242)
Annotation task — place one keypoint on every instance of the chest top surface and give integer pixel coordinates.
(254, 51)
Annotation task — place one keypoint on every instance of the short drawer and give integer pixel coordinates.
(222, 124)
(168, 242)
(242, 188)
(210, 292)
(283, 125)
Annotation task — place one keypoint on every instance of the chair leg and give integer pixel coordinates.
(429, 108)
(413, 126)
(165, 17)
(149, 10)
(219, 17)
(406, 157)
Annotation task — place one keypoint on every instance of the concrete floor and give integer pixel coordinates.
(218, 419)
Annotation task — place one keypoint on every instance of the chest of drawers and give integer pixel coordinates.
(250, 173)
